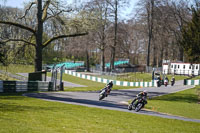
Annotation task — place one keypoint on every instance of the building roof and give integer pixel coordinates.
(183, 63)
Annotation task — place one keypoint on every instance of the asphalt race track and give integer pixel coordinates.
(117, 100)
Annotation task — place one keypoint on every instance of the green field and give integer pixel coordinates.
(184, 103)
(131, 77)
(21, 114)
(91, 85)
(138, 77)
(195, 78)
(5, 77)
(17, 68)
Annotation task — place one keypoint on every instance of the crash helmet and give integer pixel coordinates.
(145, 92)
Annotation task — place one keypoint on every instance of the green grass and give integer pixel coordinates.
(91, 85)
(28, 115)
(184, 103)
(139, 77)
(195, 78)
(5, 77)
(17, 68)
(177, 77)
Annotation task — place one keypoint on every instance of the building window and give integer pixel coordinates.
(190, 67)
(178, 66)
(172, 66)
(196, 66)
(183, 66)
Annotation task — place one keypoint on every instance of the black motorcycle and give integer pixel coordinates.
(158, 83)
(172, 83)
(138, 104)
(104, 92)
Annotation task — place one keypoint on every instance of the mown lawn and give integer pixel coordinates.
(17, 68)
(21, 114)
(184, 103)
(195, 78)
(139, 77)
(91, 85)
(5, 77)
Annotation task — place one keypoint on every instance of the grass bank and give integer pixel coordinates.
(138, 77)
(195, 78)
(6, 77)
(17, 68)
(184, 103)
(28, 115)
(90, 85)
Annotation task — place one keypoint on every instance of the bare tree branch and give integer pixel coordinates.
(27, 10)
(19, 25)
(46, 6)
(58, 13)
(19, 40)
(110, 3)
(62, 36)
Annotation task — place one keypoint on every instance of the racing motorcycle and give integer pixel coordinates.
(166, 83)
(104, 92)
(138, 104)
(158, 83)
(172, 82)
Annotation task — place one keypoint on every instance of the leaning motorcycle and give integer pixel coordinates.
(138, 104)
(104, 92)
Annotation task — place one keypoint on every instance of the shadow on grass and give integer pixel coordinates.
(15, 102)
(11, 96)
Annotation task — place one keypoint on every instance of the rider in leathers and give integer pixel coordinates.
(140, 95)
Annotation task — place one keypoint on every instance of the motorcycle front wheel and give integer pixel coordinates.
(130, 107)
(101, 97)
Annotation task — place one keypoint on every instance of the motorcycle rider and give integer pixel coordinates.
(166, 81)
(140, 95)
(109, 86)
(158, 81)
(173, 80)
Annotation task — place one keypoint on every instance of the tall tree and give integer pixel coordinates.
(191, 37)
(115, 5)
(150, 18)
(45, 11)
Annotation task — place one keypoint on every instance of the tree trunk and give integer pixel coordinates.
(87, 61)
(181, 53)
(102, 60)
(150, 31)
(112, 67)
(154, 53)
(161, 56)
(38, 58)
(112, 59)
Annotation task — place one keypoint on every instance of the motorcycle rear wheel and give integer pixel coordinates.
(138, 107)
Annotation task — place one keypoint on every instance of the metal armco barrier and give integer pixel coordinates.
(115, 82)
(23, 86)
(191, 82)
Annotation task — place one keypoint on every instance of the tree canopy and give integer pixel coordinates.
(191, 37)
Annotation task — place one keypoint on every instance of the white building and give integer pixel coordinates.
(181, 68)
